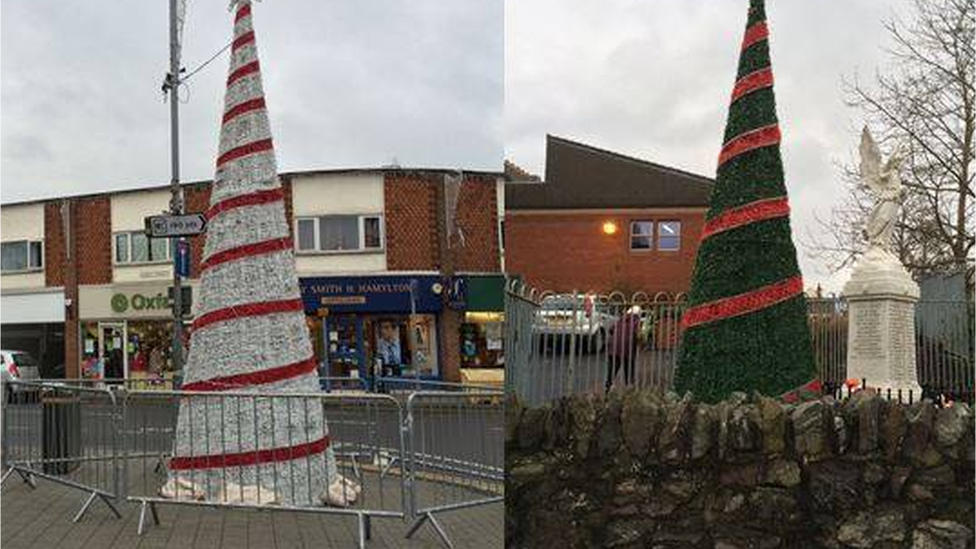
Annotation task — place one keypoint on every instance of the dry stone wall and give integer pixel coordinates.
(638, 469)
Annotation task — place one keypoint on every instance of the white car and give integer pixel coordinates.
(16, 366)
(561, 316)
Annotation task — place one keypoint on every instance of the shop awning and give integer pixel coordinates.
(485, 293)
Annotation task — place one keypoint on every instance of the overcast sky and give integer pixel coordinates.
(652, 78)
(349, 83)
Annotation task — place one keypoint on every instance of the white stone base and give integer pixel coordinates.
(881, 325)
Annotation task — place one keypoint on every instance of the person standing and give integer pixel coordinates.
(622, 346)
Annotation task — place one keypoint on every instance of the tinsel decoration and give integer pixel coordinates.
(746, 328)
(250, 333)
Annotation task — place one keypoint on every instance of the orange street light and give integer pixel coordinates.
(609, 227)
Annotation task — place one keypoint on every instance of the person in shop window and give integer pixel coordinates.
(388, 348)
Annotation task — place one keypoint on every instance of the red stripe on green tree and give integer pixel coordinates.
(755, 33)
(759, 210)
(743, 303)
(757, 80)
(745, 142)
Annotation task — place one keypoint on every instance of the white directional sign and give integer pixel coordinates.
(162, 226)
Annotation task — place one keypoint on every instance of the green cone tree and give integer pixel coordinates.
(746, 325)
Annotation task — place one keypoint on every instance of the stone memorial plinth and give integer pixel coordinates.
(881, 324)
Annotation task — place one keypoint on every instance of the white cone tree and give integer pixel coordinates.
(250, 332)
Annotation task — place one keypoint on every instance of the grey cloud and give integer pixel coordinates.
(349, 83)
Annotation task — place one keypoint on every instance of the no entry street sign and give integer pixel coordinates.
(162, 226)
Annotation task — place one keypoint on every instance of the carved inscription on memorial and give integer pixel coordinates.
(867, 342)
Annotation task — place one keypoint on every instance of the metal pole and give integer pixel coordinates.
(412, 330)
(176, 200)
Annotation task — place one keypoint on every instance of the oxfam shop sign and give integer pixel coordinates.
(125, 302)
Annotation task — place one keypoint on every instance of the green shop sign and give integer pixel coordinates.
(139, 302)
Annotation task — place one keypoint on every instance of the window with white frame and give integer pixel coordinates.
(339, 233)
(21, 256)
(641, 235)
(136, 247)
(668, 235)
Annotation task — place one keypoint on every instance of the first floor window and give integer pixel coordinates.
(136, 247)
(306, 234)
(339, 233)
(641, 235)
(668, 235)
(21, 256)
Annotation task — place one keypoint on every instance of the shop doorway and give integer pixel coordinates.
(111, 349)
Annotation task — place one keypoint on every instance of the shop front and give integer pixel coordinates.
(482, 345)
(376, 325)
(33, 321)
(126, 331)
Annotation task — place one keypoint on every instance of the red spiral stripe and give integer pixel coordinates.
(745, 303)
(243, 108)
(242, 40)
(756, 80)
(756, 33)
(254, 457)
(254, 147)
(248, 310)
(249, 199)
(243, 71)
(752, 212)
(750, 140)
(261, 377)
(243, 12)
(247, 250)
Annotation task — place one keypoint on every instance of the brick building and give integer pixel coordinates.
(602, 221)
(374, 252)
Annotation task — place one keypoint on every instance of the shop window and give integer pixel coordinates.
(136, 247)
(21, 256)
(339, 233)
(669, 235)
(641, 235)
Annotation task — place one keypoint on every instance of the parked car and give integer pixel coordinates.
(16, 366)
(563, 315)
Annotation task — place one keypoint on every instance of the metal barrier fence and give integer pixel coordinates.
(444, 453)
(65, 434)
(559, 344)
(447, 469)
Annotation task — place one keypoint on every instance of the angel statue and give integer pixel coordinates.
(888, 191)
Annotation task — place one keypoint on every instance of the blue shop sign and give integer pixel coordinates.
(372, 294)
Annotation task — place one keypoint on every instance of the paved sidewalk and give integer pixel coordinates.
(41, 519)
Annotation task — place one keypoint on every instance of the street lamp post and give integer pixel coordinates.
(176, 199)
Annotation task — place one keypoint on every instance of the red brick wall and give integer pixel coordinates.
(196, 199)
(567, 251)
(411, 223)
(93, 233)
(53, 245)
(477, 216)
(289, 211)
